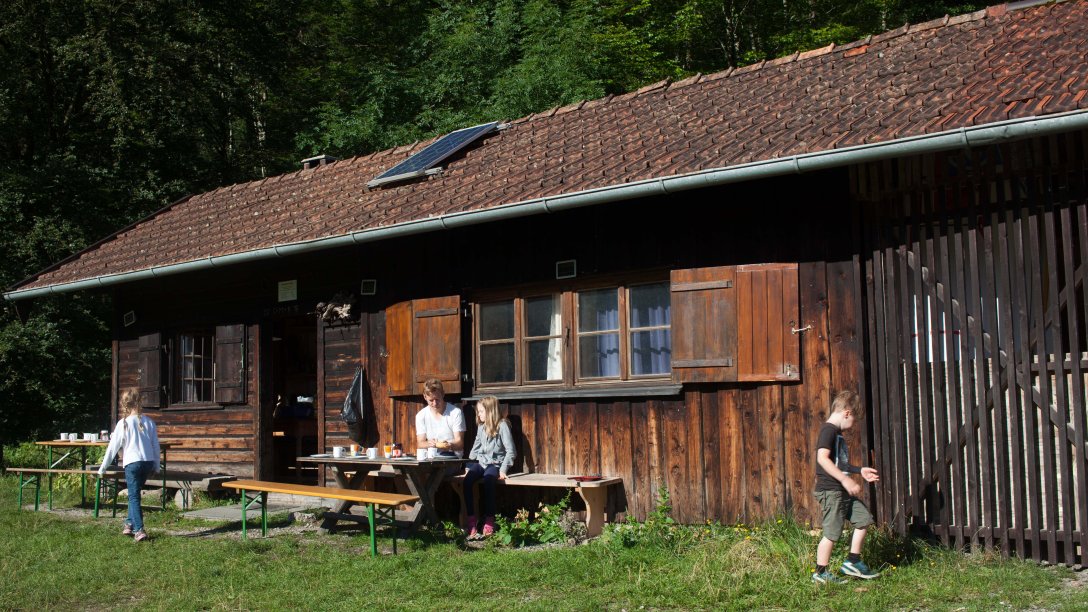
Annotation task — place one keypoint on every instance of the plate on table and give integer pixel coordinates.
(321, 456)
(586, 478)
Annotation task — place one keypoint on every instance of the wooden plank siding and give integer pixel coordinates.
(975, 268)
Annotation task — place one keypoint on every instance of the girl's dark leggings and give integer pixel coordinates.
(490, 474)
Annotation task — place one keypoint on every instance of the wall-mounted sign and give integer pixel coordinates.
(288, 291)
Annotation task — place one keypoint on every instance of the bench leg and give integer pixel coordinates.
(594, 498)
(259, 498)
(97, 495)
(373, 531)
(26, 481)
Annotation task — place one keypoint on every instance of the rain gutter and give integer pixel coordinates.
(965, 137)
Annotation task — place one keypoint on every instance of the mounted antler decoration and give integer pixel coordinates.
(339, 308)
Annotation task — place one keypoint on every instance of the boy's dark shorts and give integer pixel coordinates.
(837, 507)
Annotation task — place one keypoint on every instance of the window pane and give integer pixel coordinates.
(598, 310)
(651, 352)
(497, 363)
(497, 321)
(650, 305)
(599, 355)
(542, 316)
(545, 359)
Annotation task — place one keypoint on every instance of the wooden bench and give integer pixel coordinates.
(111, 480)
(385, 503)
(593, 493)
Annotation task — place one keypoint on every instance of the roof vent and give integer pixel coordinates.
(320, 160)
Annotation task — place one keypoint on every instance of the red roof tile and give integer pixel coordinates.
(944, 74)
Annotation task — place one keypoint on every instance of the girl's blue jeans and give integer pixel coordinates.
(136, 474)
(490, 474)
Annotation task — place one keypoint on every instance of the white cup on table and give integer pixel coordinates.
(432, 453)
(64, 436)
(372, 452)
(421, 453)
(338, 451)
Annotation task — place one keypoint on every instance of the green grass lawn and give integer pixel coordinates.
(50, 560)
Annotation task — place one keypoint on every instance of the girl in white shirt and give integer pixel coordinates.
(137, 437)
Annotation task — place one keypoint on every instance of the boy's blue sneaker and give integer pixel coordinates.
(858, 569)
(826, 577)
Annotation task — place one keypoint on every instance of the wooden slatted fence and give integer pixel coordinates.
(976, 303)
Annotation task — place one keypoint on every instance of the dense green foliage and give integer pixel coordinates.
(112, 110)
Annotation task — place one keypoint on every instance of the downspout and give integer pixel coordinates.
(965, 137)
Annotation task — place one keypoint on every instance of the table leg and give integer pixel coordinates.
(343, 506)
(50, 481)
(83, 479)
(163, 466)
(97, 495)
(423, 483)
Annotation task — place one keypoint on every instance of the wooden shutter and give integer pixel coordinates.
(767, 311)
(398, 343)
(436, 341)
(230, 364)
(149, 371)
(423, 338)
(704, 317)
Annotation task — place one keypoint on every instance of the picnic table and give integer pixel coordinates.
(69, 447)
(423, 477)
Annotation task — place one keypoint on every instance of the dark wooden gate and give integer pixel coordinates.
(976, 293)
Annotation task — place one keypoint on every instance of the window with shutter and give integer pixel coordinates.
(583, 336)
(230, 364)
(149, 372)
(423, 340)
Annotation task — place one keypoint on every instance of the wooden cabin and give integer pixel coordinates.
(669, 285)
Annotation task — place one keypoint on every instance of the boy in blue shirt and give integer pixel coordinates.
(837, 492)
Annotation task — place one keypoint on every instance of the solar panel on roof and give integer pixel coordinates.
(420, 163)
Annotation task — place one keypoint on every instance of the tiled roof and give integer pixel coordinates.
(964, 71)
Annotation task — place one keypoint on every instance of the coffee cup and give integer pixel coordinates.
(64, 436)
(372, 453)
(432, 452)
(421, 453)
(338, 451)
(90, 437)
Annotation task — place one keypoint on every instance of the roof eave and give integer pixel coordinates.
(964, 137)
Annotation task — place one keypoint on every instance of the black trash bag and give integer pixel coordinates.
(354, 409)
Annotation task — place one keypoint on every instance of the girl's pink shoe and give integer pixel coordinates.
(472, 534)
(489, 526)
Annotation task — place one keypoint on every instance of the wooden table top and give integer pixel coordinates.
(363, 459)
(79, 443)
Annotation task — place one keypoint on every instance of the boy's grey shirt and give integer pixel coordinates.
(494, 451)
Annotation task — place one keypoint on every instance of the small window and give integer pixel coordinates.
(195, 370)
(588, 336)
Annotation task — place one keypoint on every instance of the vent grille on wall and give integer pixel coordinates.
(567, 268)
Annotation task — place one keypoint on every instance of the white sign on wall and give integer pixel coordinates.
(288, 291)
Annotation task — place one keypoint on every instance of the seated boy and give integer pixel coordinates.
(837, 492)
